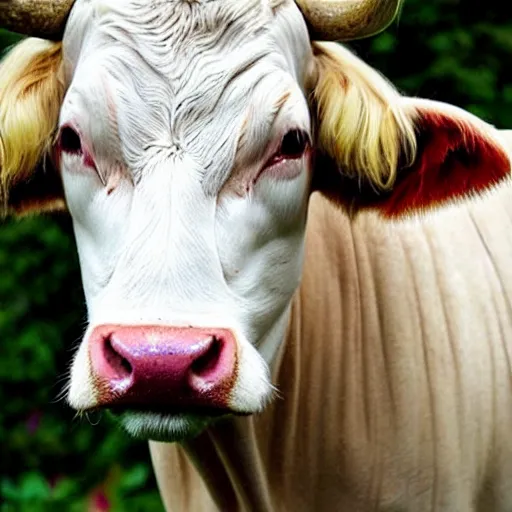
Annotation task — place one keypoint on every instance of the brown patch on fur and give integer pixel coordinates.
(282, 101)
(455, 160)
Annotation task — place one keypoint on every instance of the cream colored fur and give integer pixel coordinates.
(394, 378)
(31, 93)
(506, 137)
(362, 124)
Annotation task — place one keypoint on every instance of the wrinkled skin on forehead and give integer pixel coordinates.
(181, 215)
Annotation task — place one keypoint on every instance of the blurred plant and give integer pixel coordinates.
(450, 50)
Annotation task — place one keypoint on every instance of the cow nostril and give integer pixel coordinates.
(121, 366)
(208, 362)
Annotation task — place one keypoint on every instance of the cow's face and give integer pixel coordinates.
(185, 153)
(182, 133)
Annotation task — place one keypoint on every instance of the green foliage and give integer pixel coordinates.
(450, 50)
(442, 49)
(7, 39)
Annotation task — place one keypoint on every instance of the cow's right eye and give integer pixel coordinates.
(70, 141)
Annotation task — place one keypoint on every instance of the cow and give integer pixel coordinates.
(298, 281)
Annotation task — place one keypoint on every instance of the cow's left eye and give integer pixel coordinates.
(294, 144)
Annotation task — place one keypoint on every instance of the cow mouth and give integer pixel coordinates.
(200, 411)
(169, 424)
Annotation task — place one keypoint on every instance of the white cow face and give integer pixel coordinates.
(185, 153)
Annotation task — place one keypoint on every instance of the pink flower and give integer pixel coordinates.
(33, 422)
(99, 502)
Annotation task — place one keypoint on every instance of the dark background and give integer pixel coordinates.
(451, 50)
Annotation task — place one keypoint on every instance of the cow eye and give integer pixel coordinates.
(70, 141)
(294, 144)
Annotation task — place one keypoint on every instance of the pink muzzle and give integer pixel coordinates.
(155, 366)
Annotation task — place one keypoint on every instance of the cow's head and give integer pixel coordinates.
(185, 138)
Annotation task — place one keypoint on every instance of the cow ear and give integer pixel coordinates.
(457, 156)
(396, 155)
(31, 93)
(360, 124)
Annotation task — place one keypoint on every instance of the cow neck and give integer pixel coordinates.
(240, 457)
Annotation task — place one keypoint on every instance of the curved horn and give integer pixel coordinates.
(342, 20)
(37, 18)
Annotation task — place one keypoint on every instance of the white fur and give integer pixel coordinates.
(161, 238)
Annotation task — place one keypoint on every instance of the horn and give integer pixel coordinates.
(343, 20)
(37, 18)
